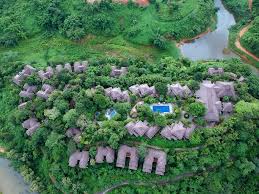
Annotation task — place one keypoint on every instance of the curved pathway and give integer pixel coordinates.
(241, 33)
(140, 183)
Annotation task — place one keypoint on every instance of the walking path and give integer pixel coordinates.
(140, 183)
(241, 33)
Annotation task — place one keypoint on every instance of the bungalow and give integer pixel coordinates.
(215, 71)
(141, 128)
(143, 90)
(47, 74)
(127, 152)
(178, 90)
(116, 72)
(80, 67)
(28, 91)
(155, 156)
(31, 125)
(117, 94)
(68, 67)
(82, 157)
(225, 89)
(59, 68)
(177, 131)
(104, 153)
(27, 71)
(45, 92)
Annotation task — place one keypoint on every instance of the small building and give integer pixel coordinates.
(137, 128)
(177, 131)
(155, 156)
(27, 71)
(81, 157)
(134, 111)
(178, 90)
(143, 90)
(59, 68)
(28, 91)
(31, 125)
(68, 67)
(45, 92)
(22, 105)
(80, 67)
(46, 74)
(125, 152)
(117, 94)
(104, 153)
(215, 71)
(116, 72)
(225, 89)
(152, 131)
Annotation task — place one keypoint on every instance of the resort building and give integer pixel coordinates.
(117, 94)
(125, 152)
(68, 67)
(157, 157)
(143, 90)
(116, 72)
(104, 154)
(140, 128)
(28, 91)
(47, 74)
(27, 71)
(178, 90)
(80, 67)
(45, 92)
(210, 94)
(31, 125)
(81, 157)
(177, 131)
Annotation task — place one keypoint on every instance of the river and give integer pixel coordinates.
(211, 45)
(11, 182)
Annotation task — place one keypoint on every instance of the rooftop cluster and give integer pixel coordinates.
(125, 152)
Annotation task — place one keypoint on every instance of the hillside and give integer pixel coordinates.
(43, 31)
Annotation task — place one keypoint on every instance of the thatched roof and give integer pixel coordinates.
(117, 72)
(157, 156)
(143, 90)
(117, 94)
(80, 67)
(82, 157)
(27, 71)
(177, 131)
(46, 74)
(46, 91)
(31, 125)
(178, 90)
(104, 153)
(28, 91)
(130, 152)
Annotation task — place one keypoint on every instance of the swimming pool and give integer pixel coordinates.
(110, 113)
(162, 108)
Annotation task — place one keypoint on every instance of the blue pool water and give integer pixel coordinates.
(161, 109)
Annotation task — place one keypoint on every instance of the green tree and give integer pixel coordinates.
(197, 109)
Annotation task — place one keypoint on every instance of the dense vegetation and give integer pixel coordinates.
(251, 38)
(224, 158)
(50, 27)
(244, 16)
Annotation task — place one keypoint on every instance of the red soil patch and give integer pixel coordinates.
(142, 3)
